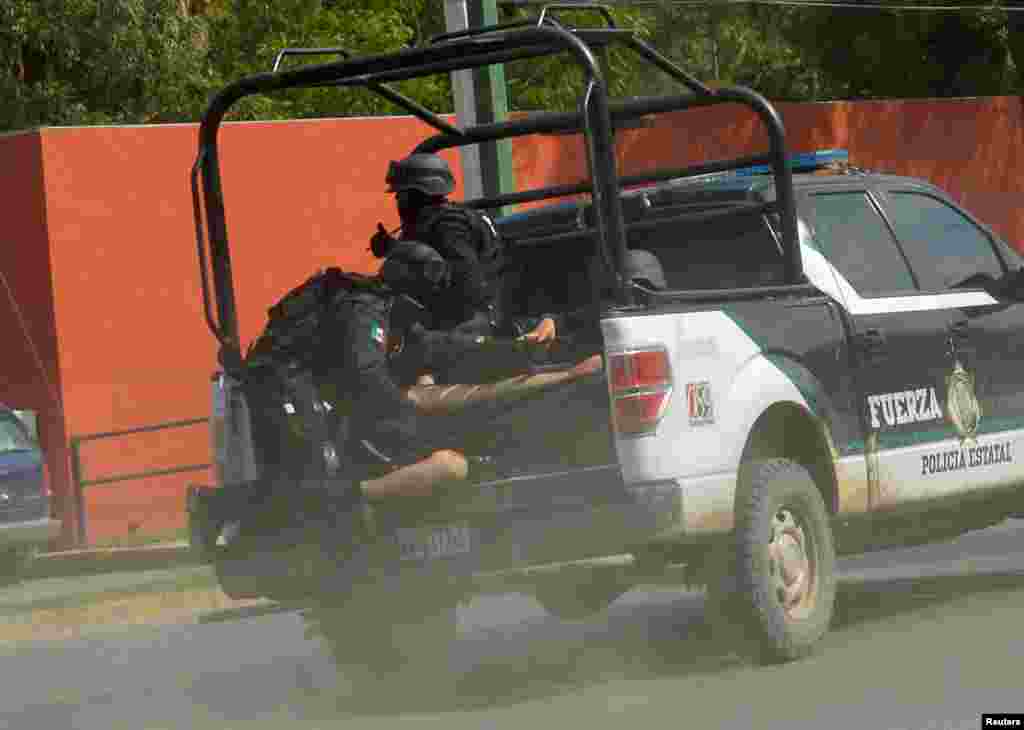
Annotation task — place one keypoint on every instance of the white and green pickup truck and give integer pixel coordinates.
(830, 366)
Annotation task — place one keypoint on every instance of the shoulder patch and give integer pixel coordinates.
(377, 334)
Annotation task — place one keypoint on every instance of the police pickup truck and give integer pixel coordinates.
(829, 365)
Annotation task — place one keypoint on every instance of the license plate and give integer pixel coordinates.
(434, 542)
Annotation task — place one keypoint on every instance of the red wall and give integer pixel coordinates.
(29, 374)
(134, 349)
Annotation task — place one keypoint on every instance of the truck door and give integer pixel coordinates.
(688, 378)
(900, 342)
(985, 400)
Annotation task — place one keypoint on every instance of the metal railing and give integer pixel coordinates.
(79, 483)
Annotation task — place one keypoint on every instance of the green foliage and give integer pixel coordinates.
(91, 62)
(909, 54)
(67, 62)
(139, 61)
(800, 54)
(751, 46)
(556, 82)
(246, 36)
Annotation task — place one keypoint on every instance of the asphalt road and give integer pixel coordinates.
(924, 638)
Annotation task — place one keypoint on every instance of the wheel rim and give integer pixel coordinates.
(792, 565)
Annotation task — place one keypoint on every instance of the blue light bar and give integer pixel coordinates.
(803, 162)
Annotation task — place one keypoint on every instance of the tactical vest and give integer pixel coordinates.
(298, 425)
(488, 247)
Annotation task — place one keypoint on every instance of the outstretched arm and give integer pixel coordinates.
(444, 399)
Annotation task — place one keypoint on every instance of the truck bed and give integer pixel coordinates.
(508, 524)
(547, 494)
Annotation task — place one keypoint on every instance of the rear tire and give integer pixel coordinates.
(784, 563)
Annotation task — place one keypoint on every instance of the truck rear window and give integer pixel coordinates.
(547, 278)
(737, 251)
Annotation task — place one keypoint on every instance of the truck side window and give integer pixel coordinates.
(944, 247)
(853, 236)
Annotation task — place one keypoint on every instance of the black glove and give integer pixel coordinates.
(381, 242)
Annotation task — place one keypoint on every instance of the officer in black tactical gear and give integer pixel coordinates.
(468, 240)
(465, 237)
(383, 370)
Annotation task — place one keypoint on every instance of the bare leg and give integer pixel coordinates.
(419, 479)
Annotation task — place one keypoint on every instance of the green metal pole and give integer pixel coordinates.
(456, 18)
(492, 106)
(81, 536)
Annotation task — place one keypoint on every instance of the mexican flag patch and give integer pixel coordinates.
(377, 334)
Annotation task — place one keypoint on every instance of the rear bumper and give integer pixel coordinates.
(526, 527)
(32, 532)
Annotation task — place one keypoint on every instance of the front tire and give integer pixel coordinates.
(784, 561)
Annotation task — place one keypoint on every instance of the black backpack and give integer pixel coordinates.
(299, 434)
(297, 331)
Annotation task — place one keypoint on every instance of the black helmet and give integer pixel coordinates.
(427, 173)
(415, 269)
(643, 266)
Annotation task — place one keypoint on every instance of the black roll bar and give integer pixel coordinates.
(558, 191)
(546, 16)
(197, 213)
(469, 52)
(633, 108)
(644, 50)
(395, 97)
(470, 32)
(603, 10)
(520, 40)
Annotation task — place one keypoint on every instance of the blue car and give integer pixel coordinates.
(25, 522)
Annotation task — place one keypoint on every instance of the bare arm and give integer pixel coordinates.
(439, 399)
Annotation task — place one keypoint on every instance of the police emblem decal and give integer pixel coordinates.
(377, 334)
(699, 403)
(962, 407)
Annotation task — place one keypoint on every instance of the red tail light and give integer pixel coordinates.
(641, 385)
